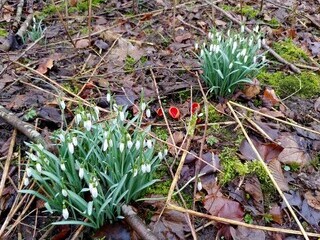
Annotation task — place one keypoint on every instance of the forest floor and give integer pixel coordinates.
(129, 47)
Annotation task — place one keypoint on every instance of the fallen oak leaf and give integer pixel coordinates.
(46, 63)
(83, 43)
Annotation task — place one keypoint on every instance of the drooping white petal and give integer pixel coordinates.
(199, 185)
(65, 213)
(71, 147)
(129, 144)
(87, 125)
(78, 118)
(63, 166)
(26, 181)
(148, 113)
(138, 144)
(64, 192)
(121, 147)
(81, 173)
(75, 141)
(105, 145)
(38, 167)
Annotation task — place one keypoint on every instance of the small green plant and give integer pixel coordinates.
(36, 32)
(267, 217)
(98, 166)
(30, 114)
(228, 61)
(290, 51)
(211, 140)
(248, 218)
(247, 11)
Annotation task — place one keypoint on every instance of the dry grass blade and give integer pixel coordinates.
(269, 173)
(238, 223)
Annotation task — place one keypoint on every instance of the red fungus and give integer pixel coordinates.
(174, 112)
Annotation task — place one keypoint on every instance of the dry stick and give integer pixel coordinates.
(2, 3)
(269, 173)
(135, 221)
(24, 27)
(18, 14)
(269, 49)
(238, 223)
(64, 24)
(79, 230)
(276, 119)
(89, 19)
(7, 164)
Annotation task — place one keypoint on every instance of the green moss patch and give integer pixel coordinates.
(290, 51)
(285, 85)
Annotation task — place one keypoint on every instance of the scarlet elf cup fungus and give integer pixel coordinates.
(174, 112)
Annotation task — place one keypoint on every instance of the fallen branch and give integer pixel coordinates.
(265, 46)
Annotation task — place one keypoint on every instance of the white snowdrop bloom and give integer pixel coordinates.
(165, 152)
(105, 145)
(138, 144)
(63, 166)
(115, 108)
(256, 28)
(250, 42)
(148, 113)
(234, 47)
(38, 167)
(242, 28)
(143, 106)
(29, 171)
(219, 38)
(65, 213)
(87, 125)
(96, 111)
(217, 48)
(204, 45)
(230, 65)
(40, 146)
(196, 46)
(71, 147)
(149, 143)
(135, 172)
(228, 32)
(263, 41)
(160, 155)
(129, 144)
(210, 35)
(211, 48)
(201, 52)
(64, 192)
(245, 59)
(238, 55)
(143, 168)
(121, 147)
(254, 59)
(81, 172)
(61, 137)
(78, 118)
(94, 192)
(110, 142)
(108, 97)
(62, 104)
(91, 186)
(259, 43)
(243, 52)
(263, 58)
(88, 116)
(26, 181)
(75, 141)
(199, 185)
(121, 115)
(148, 167)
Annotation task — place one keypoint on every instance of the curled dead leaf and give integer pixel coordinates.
(277, 173)
(83, 43)
(45, 64)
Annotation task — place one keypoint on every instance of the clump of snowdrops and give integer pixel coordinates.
(99, 166)
(230, 59)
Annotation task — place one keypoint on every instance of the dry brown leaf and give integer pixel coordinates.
(313, 199)
(276, 214)
(178, 137)
(73, 3)
(276, 170)
(83, 43)
(243, 233)
(252, 90)
(270, 97)
(253, 187)
(45, 64)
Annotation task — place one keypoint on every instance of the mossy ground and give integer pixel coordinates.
(285, 84)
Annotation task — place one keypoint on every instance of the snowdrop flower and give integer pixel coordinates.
(165, 152)
(121, 115)
(143, 106)
(87, 125)
(259, 43)
(71, 147)
(105, 145)
(40, 146)
(38, 167)
(234, 47)
(108, 97)
(256, 28)
(196, 46)
(243, 52)
(135, 172)
(65, 213)
(263, 41)
(144, 168)
(129, 144)
(63, 166)
(26, 181)
(219, 38)
(81, 172)
(148, 167)
(230, 65)
(217, 48)
(199, 185)
(138, 144)
(110, 142)
(75, 141)
(64, 192)
(250, 42)
(61, 137)
(149, 143)
(212, 47)
(210, 35)
(29, 171)
(245, 59)
(121, 147)
(204, 45)
(78, 118)
(242, 28)
(160, 155)
(96, 111)
(238, 55)
(94, 192)
(62, 104)
(148, 113)
(115, 108)
(201, 52)
(254, 59)
(263, 58)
